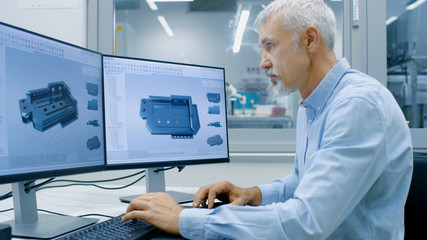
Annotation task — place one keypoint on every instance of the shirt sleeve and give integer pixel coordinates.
(231, 222)
(279, 190)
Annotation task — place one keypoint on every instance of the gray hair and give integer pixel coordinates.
(299, 14)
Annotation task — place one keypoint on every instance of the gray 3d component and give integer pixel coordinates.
(93, 143)
(92, 105)
(215, 140)
(92, 89)
(93, 123)
(49, 106)
(174, 115)
(215, 124)
(214, 110)
(213, 97)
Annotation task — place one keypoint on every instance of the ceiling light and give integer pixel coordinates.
(172, 0)
(415, 5)
(152, 5)
(244, 16)
(390, 20)
(165, 26)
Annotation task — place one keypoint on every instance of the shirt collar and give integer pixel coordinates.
(317, 99)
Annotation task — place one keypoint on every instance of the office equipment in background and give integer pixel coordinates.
(160, 114)
(45, 87)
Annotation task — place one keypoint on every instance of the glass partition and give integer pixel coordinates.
(204, 32)
(407, 58)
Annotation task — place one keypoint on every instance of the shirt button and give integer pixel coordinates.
(310, 120)
(318, 108)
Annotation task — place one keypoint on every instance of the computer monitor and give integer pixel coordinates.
(51, 122)
(160, 114)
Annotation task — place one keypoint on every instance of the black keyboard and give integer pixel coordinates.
(115, 228)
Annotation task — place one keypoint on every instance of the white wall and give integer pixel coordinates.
(65, 21)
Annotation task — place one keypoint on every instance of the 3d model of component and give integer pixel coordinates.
(92, 89)
(93, 143)
(49, 106)
(215, 140)
(93, 123)
(215, 124)
(214, 110)
(92, 105)
(174, 115)
(213, 97)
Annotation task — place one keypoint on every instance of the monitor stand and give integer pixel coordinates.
(29, 224)
(155, 182)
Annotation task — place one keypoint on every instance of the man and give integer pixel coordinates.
(353, 162)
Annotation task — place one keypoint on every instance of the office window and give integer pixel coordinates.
(203, 32)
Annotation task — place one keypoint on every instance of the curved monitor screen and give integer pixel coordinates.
(51, 112)
(163, 114)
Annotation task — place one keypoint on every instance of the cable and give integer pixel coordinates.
(61, 214)
(54, 213)
(163, 169)
(84, 215)
(6, 210)
(99, 181)
(96, 214)
(83, 183)
(180, 168)
(6, 196)
(93, 185)
(28, 189)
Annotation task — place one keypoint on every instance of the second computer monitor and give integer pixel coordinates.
(163, 114)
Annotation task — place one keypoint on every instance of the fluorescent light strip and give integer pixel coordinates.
(415, 5)
(152, 5)
(390, 20)
(244, 16)
(165, 26)
(172, 0)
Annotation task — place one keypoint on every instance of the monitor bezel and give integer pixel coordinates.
(60, 172)
(160, 164)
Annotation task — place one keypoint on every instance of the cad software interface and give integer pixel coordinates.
(157, 111)
(51, 113)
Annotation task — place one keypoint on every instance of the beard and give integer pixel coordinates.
(278, 89)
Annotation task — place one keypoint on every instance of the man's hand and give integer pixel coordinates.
(227, 193)
(159, 209)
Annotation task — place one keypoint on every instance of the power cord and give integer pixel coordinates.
(180, 168)
(93, 185)
(85, 183)
(61, 214)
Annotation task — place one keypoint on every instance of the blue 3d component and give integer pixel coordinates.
(49, 106)
(174, 115)
(213, 97)
(215, 140)
(215, 124)
(92, 89)
(214, 110)
(92, 105)
(93, 143)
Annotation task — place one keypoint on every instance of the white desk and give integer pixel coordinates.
(81, 200)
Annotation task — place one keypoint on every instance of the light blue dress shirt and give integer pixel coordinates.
(353, 169)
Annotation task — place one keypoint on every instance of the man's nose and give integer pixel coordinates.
(265, 62)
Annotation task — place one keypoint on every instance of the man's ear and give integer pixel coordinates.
(311, 39)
